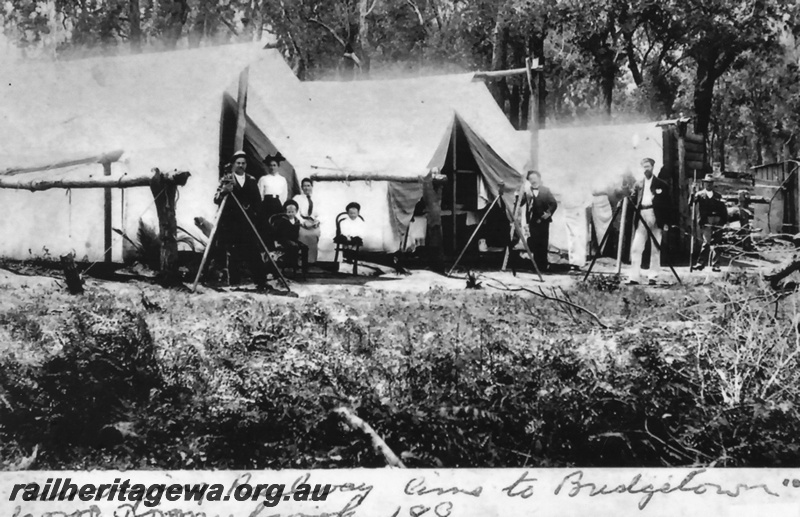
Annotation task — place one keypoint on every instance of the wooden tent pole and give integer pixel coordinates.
(533, 117)
(107, 215)
(507, 253)
(455, 175)
(241, 113)
(621, 238)
(474, 233)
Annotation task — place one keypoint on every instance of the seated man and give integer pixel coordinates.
(287, 234)
(351, 229)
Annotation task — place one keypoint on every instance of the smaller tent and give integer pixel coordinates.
(579, 162)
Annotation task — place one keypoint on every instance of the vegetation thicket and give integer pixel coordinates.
(147, 378)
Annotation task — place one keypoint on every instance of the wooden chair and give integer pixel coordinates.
(343, 248)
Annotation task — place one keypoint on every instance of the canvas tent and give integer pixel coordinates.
(162, 110)
(578, 162)
(396, 129)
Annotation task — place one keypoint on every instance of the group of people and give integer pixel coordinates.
(259, 214)
(651, 198)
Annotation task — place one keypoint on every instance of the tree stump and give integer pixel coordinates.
(73, 278)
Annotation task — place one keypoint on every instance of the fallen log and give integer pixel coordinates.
(378, 444)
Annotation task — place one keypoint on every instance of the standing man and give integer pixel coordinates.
(712, 216)
(652, 201)
(236, 234)
(539, 208)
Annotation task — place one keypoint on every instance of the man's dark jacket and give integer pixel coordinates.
(538, 205)
(249, 196)
(662, 205)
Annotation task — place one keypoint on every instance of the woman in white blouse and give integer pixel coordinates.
(309, 222)
(273, 187)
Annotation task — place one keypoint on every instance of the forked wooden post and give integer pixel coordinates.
(164, 188)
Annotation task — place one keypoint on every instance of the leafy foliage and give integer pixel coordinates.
(447, 379)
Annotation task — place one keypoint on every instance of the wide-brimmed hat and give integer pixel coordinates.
(278, 157)
(708, 177)
(238, 154)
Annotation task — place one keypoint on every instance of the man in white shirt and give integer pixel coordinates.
(651, 195)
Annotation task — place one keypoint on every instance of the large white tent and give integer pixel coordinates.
(162, 110)
(397, 128)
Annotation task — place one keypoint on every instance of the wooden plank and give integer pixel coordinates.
(695, 139)
(695, 147)
(694, 156)
(694, 165)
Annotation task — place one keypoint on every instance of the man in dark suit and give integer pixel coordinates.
(712, 216)
(236, 235)
(539, 208)
(652, 201)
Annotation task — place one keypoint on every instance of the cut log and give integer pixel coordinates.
(436, 178)
(71, 275)
(119, 181)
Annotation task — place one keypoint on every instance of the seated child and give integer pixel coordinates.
(287, 234)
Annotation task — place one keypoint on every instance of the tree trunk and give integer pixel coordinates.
(135, 26)
(499, 88)
(703, 95)
(608, 75)
(363, 36)
(514, 104)
(524, 106)
(177, 11)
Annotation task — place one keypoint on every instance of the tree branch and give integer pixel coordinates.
(416, 10)
(329, 29)
(540, 293)
(369, 11)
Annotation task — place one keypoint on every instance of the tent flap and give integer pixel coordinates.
(403, 198)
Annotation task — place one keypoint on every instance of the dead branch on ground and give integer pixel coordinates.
(355, 422)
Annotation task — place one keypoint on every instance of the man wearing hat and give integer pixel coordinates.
(273, 188)
(652, 201)
(712, 216)
(236, 234)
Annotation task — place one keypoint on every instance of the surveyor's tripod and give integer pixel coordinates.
(638, 216)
